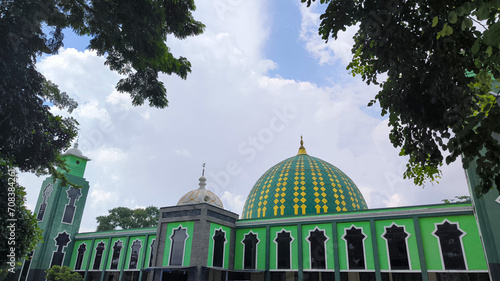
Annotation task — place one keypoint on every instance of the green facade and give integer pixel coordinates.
(59, 211)
(189, 225)
(411, 241)
(273, 250)
(303, 220)
(227, 232)
(471, 244)
(260, 251)
(306, 245)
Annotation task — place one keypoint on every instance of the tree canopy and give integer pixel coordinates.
(64, 273)
(439, 58)
(125, 218)
(131, 34)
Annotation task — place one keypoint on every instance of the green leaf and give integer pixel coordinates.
(489, 51)
(435, 21)
(446, 31)
(492, 35)
(475, 47)
(452, 17)
(466, 23)
(483, 12)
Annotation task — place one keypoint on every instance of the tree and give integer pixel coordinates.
(125, 218)
(458, 199)
(439, 58)
(18, 225)
(131, 34)
(57, 273)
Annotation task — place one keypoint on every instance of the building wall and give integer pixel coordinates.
(140, 256)
(419, 226)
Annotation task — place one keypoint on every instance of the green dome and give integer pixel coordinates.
(302, 185)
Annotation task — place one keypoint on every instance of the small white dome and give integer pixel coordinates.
(200, 195)
(75, 152)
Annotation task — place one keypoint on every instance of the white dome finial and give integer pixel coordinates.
(202, 182)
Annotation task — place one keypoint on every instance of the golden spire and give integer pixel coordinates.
(302, 149)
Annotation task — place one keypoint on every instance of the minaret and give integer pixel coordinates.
(59, 212)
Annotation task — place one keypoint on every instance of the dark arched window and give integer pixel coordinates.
(117, 248)
(98, 256)
(80, 255)
(45, 198)
(317, 241)
(219, 239)
(250, 251)
(354, 238)
(134, 256)
(178, 239)
(151, 247)
(397, 247)
(450, 242)
(69, 211)
(62, 241)
(283, 242)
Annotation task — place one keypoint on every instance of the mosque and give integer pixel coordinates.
(304, 219)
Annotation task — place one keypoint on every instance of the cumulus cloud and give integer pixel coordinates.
(233, 202)
(231, 115)
(333, 50)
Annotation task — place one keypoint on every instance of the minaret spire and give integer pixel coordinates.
(302, 149)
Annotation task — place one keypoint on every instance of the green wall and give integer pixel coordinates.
(148, 250)
(411, 242)
(187, 246)
(261, 247)
(273, 246)
(474, 253)
(140, 260)
(86, 255)
(125, 253)
(227, 230)
(368, 245)
(104, 253)
(306, 256)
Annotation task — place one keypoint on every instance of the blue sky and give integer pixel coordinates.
(261, 77)
(284, 46)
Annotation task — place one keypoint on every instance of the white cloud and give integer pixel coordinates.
(326, 53)
(231, 115)
(92, 110)
(100, 197)
(184, 152)
(109, 155)
(233, 202)
(122, 100)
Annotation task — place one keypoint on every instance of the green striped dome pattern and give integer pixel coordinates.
(302, 185)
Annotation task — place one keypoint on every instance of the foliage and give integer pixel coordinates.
(125, 218)
(18, 226)
(131, 35)
(458, 199)
(57, 273)
(439, 58)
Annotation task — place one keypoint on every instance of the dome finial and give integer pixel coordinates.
(202, 183)
(302, 149)
(76, 143)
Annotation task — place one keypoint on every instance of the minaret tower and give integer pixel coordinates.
(59, 212)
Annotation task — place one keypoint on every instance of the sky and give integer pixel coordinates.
(261, 78)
